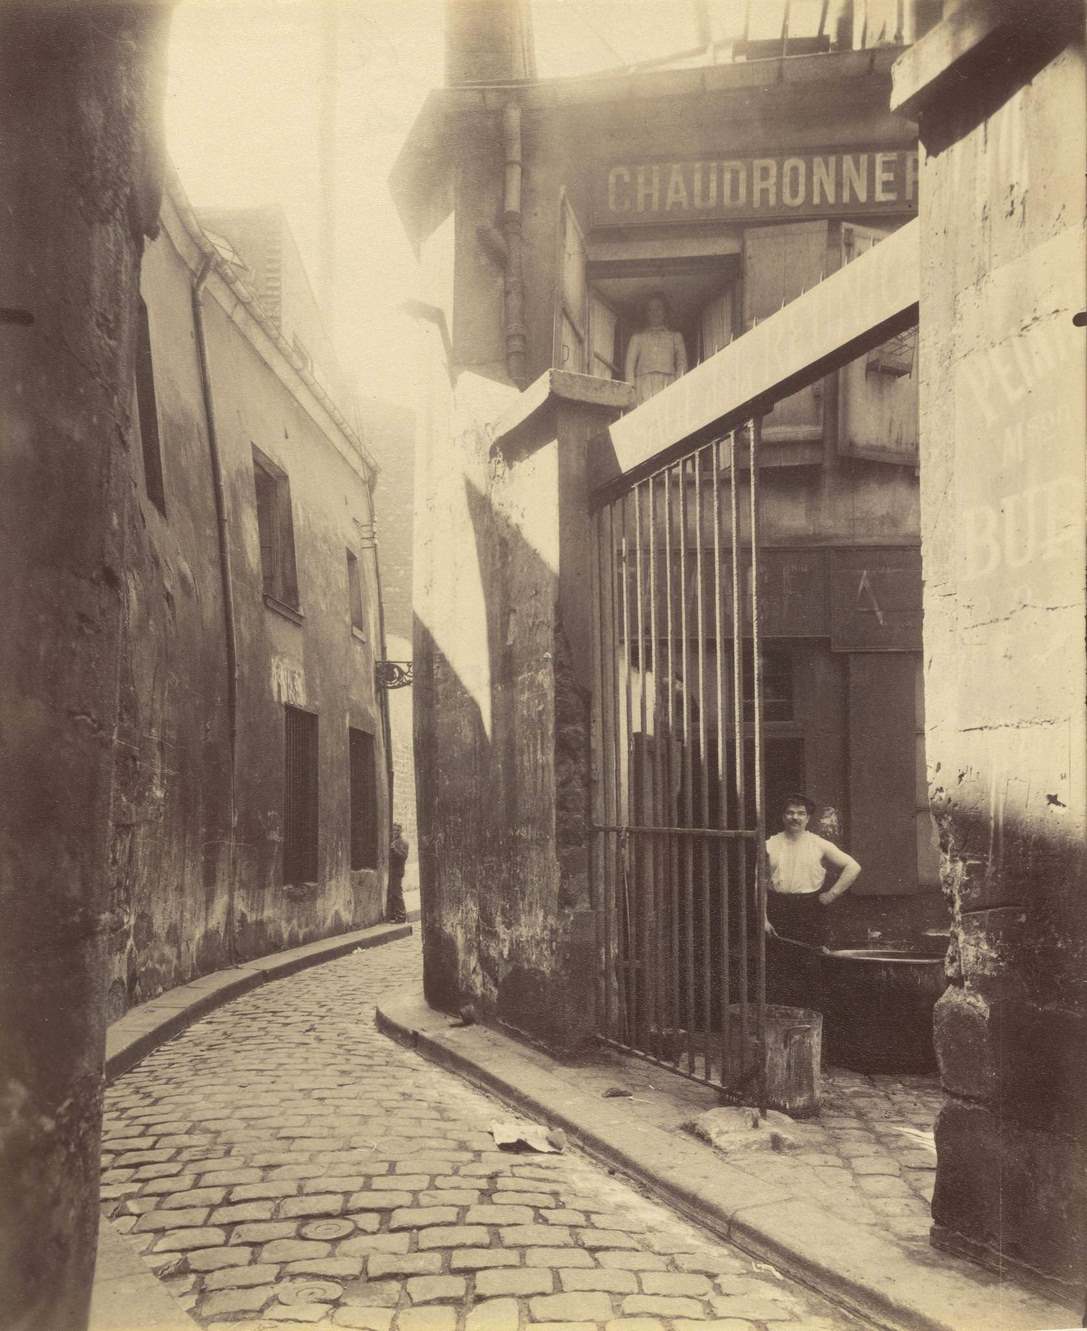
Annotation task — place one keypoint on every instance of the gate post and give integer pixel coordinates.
(538, 951)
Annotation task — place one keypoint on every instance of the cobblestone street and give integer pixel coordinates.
(282, 1163)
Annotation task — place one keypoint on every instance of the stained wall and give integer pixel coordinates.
(197, 878)
(1003, 384)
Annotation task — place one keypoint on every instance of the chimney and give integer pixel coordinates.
(488, 41)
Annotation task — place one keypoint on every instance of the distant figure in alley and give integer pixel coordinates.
(656, 356)
(398, 857)
(800, 864)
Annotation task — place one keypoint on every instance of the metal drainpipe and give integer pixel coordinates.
(511, 228)
(369, 542)
(229, 621)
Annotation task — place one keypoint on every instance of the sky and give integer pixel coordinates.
(242, 118)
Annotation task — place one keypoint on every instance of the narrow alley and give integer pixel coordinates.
(283, 1163)
(545, 579)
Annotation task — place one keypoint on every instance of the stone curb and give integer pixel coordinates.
(127, 1295)
(860, 1269)
(124, 1287)
(132, 1038)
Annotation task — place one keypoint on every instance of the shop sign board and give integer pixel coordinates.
(838, 182)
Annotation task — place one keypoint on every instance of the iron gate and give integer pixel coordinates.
(678, 734)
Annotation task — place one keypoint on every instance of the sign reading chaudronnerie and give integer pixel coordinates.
(846, 182)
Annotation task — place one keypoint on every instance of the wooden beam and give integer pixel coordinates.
(852, 311)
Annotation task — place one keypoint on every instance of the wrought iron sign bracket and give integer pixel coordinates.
(394, 674)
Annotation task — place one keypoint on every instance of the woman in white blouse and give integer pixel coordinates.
(656, 356)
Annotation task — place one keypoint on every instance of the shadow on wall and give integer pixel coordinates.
(502, 781)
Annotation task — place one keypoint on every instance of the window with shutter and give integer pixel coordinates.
(572, 306)
(877, 397)
(603, 328)
(781, 263)
(715, 329)
(276, 528)
(355, 600)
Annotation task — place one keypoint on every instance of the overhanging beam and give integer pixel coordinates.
(851, 312)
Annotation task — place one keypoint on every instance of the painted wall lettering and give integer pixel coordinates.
(843, 182)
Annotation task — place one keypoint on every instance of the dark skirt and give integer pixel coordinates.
(794, 973)
(799, 916)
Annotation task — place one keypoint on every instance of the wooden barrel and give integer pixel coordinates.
(794, 1040)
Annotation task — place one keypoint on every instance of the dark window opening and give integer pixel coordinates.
(777, 684)
(363, 800)
(700, 304)
(147, 411)
(354, 593)
(300, 798)
(276, 531)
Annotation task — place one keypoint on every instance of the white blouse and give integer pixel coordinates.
(797, 865)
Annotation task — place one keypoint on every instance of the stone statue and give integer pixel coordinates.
(656, 356)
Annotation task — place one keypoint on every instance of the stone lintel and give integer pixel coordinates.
(531, 420)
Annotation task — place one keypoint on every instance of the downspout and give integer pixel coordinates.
(369, 542)
(229, 621)
(511, 229)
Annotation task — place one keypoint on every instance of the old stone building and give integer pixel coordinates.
(999, 92)
(258, 245)
(250, 801)
(546, 214)
(80, 162)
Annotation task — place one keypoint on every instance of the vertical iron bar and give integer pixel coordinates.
(686, 848)
(602, 608)
(670, 756)
(638, 787)
(596, 766)
(618, 941)
(738, 741)
(722, 794)
(628, 848)
(754, 436)
(655, 804)
(703, 807)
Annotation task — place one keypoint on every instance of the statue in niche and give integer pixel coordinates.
(657, 355)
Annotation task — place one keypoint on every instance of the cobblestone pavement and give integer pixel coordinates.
(871, 1155)
(869, 1158)
(281, 1163)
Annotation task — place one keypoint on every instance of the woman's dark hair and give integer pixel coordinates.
(789, 800)
(657, 295)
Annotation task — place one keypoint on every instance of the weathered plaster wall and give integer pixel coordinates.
(1002, 400)
(171, 817)
(78, 158)
(502, 669)
(319, 664)
(501, 715)
(184, 901)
